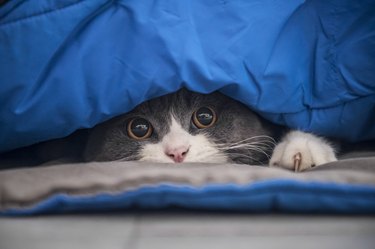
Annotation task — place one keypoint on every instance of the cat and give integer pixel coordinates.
(187, 127)
(207, 128)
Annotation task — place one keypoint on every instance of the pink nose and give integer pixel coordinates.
(177, 154)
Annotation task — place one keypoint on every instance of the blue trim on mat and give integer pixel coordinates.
(264, 196)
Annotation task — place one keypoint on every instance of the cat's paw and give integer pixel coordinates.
(299, 151)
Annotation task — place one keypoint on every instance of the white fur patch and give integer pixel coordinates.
(199, 148)
(309, 149)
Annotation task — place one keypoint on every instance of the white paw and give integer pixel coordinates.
(299, 151)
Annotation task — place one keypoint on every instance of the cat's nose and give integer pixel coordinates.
(177, 154)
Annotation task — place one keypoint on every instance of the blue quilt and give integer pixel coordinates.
(70, 64)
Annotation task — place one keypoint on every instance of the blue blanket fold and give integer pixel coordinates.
(282, 196)
(71, 64)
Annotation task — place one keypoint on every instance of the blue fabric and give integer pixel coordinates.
(263, 196)
(71, 64)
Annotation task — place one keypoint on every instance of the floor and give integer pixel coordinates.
(180, 230)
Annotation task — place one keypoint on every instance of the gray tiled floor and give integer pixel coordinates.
(187, 230)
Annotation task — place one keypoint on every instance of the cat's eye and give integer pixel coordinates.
(204, 117)
(139, 128)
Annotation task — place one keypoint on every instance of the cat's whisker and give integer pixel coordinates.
(265, 144)
(246, 146)
(262, 139)
(262, 144)
(258, 147)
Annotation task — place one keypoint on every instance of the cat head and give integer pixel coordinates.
(184, 127)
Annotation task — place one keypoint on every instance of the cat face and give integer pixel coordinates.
(184, 127)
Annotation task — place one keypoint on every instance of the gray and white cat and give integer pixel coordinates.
(185, 127)
(192, 127)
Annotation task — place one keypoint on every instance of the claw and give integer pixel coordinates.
(297, 161)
